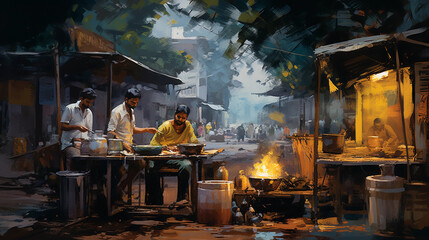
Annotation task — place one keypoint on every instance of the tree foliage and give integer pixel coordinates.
(283, 34)
(30, 25)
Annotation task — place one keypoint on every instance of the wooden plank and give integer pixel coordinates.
(280, 193)
(363, 161)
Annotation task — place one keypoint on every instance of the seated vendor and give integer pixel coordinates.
(385, 133)
(170, 133)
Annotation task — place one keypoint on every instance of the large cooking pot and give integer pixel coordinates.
(191, 148)
(147, 150)
(333, 143)
(265, 184)
(115, 146)
(97, 146)
(373, 142)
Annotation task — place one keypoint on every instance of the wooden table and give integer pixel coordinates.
(195, 159)
(338, 161)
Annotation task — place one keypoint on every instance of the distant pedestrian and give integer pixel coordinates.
(250, 130)
(240, 133)
(200, 130)
(208, 127)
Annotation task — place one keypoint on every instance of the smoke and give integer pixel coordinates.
(245, 105)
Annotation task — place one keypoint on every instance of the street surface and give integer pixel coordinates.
(32, 214)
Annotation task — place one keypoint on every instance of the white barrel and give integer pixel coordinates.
(214, 202)
(385, 202)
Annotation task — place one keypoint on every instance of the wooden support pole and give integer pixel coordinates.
(401, 103)
(109, 94)
(316, 141)
(58, 82)
(57, 77)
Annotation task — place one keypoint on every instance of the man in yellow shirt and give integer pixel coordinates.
(170, 133)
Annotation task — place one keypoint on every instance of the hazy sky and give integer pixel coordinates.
(243, 103)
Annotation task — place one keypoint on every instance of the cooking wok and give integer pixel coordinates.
(147, 150)
(265, 184)
(191, 148)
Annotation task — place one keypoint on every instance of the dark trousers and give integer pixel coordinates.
(153, 184)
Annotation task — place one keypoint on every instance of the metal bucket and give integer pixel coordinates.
(74, 194)
(333, 143)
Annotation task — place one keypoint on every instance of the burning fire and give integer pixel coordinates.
(268, 167)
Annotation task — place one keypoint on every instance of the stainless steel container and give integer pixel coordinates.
(115, 146)
(84, 147)
(97, 146)
(74, 194)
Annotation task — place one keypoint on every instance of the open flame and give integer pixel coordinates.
(267, 167)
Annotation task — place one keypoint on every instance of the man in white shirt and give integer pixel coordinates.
(75, 123)
(122, 125)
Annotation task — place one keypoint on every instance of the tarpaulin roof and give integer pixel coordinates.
(214, 106)
(361, 57)
(73, 62)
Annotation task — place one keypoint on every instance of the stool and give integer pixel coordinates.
(163, 172)
(167, 172)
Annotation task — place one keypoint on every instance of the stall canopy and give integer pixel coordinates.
(20, 63)
(358, 58)
(277, 91)
(214, 106)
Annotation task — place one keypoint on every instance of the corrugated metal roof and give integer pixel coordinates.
(361, 57)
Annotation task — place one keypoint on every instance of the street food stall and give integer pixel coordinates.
(382, 72)
(93, 162)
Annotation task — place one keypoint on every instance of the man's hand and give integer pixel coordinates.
(151, 130)
(128, 147)
(172, 148)
(82, 129)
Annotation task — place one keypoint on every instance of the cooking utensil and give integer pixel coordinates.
(265, 184)
(191, 148)
(333, 143)
(147, 150)
(373, 142)
(115, 146)
(97, 146)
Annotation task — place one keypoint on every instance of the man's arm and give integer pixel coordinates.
(391, 133)
(67, 127)
(156, 140)
(66, 118)
(144, 130)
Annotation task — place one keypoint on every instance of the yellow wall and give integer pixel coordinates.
(379, 99)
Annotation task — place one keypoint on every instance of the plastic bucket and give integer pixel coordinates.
(385, 202)
(214, 202)
(74, 194)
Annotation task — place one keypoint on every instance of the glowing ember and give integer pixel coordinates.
(268, 167)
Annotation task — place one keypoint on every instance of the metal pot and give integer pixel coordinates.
(191, 148)
(147, 150)
(97, 146)
(265, 184)
(115, 146)
(333, 143)
(373, 142)
(84, 147)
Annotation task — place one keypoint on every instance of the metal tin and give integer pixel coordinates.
(115, 146)
(74, 194)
